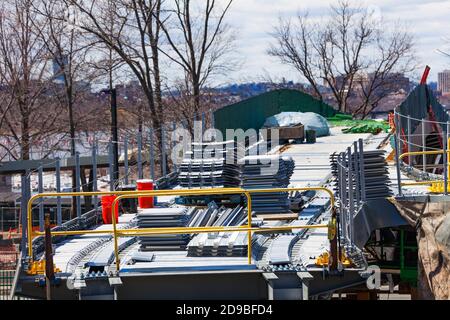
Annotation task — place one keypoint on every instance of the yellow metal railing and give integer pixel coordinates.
(434, 183)
(249, 228)
(32, 233)
(420, 153)
(177, 230)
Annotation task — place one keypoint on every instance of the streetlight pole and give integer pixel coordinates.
(114, 134)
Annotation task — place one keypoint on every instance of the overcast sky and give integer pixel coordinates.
(427, 20)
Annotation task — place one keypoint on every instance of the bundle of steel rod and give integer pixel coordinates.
(268, 171)
(212, 164)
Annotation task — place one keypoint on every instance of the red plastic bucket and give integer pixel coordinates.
(145, 202)
(106, 209)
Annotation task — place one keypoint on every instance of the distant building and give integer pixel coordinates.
(444, 82)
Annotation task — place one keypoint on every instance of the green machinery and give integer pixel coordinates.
(395, 249)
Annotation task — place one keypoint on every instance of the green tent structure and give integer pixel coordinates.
(252, 112)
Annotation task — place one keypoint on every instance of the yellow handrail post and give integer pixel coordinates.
(448, 162)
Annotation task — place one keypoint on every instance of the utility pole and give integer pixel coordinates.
(114, 133)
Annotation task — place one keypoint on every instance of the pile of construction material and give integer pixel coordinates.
(184, 217)
(264, 172)
(160, 218)
(214, 216)
(222, 244)
(376, 174)
(210, 165)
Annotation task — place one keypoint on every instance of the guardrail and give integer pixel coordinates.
(177, 230)
(407, 137)
(430, 182)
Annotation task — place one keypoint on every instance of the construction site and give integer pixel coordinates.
(269, 154)
(314, 206)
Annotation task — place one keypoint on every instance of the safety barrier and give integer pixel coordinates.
(437, 186)
(405, 140)
(185, 230)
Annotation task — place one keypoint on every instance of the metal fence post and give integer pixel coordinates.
(212, 119)
(25, 186)
(361, 169)
(174, 127)
(355, 161)
(203, 123)
(350, 194)
(58, 189)
(340, 185)
(125, 159)
(41, 201)
(94, 174)
(77, 182)
(408, 138)
(139, 155)
(445, 158)
(163, 152)
(397, 150)
(398, 129)
(152, 155)
(110, 159)
(424, 156)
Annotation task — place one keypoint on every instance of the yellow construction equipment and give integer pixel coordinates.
(38, 268)
(324, 260)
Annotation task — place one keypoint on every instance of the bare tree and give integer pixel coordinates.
(28, 113)
(199, 42)
(67, 50)
(134, 38)
(352, 52)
